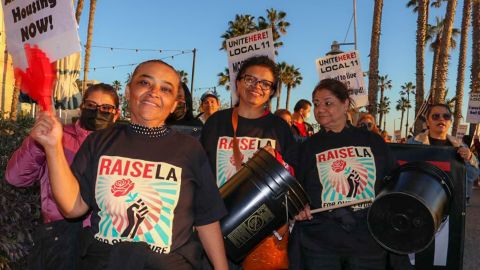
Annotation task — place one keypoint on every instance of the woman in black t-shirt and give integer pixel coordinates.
(147, 186)
(230, 137)
(338, 165)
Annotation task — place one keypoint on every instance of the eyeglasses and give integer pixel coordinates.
(366, 125)
(251, 81)
(446, 116)
(91, 105)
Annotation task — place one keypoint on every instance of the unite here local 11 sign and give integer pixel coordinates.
(243, 47)
(345, 67)
(49, 24)
(473, 112)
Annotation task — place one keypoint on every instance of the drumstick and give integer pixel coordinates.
(323, 209)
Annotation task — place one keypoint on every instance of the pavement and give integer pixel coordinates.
(471, 256)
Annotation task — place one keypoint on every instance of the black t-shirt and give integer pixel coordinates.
(439, 142)
(143, 189)
(217, 139)
(336, 168)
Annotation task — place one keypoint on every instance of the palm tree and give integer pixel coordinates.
(281, 77)
(407, 89)
(183, 76)
(421, 7)
(276, 21)
(434, 34)
(14, 107)
(462, 59)
(384, 109)
(129, 77)
(78, 12)
(384, 84)
(224, 79)
(374, 54)
(292, 78)
(88, 46)
(241, 25)
(444, 53)
(117, 85)
(402, 105)
(475, 67)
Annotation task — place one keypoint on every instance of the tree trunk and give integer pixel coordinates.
(374, 54)
(420, 56)
(380, 113)
(462, 58)
(401, 122)
(475, 67)
(78, 11)
(442, 67)
(385, 123)
(279, 91)
(433, 94)
(14, 108)
(88, 46)
(288, 96)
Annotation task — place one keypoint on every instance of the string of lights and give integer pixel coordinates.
(134, 64)
(137, 49)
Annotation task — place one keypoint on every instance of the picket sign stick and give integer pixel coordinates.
(328, 208)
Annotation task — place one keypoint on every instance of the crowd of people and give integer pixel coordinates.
(145, 195)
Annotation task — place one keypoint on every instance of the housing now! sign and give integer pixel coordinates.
(49, 24)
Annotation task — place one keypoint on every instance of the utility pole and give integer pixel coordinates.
(193, 69)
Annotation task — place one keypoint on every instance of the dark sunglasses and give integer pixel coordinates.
(90, 105)
(446, 116)
(366, 125)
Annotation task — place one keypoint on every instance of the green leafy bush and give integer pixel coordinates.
(19, 207)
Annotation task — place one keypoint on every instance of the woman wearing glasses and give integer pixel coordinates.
(230, 137)
(56, 240)
(439, 120)
(367, 121)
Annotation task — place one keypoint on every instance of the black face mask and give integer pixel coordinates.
(180, 111)
(95, 120)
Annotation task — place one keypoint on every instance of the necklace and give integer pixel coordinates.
(153, 132)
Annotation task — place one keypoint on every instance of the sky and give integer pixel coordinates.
(314, 24)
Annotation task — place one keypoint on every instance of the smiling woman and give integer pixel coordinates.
(131, 178)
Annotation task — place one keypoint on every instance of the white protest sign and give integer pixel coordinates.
(461, 131)
(473, 111)
(398, 135)
(50, 24)
(346, 68)
(243, 47)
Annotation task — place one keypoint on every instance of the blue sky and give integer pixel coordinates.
(148, 24)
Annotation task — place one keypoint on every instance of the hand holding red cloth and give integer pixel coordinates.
(38, 78)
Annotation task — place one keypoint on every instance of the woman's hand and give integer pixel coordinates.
(465, 153)
(47, 130)
(304, 214)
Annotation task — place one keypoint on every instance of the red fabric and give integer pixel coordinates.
(38, 78)
(302, 129)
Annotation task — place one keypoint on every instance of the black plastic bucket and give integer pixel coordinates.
(255, 198)
(407, 213)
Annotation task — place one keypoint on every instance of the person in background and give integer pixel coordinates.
(301, 112)
(148, 186)
(285, 115)
(367, 121)
(385, 136)
(331, 166)
(209, 105)
(439, 121)
(56, 240)
(183, 114)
